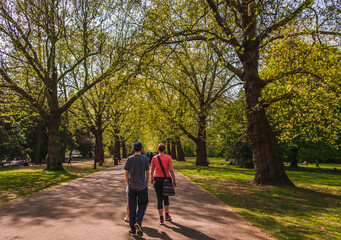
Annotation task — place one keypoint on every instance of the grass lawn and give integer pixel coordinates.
(311, 210)
(22, 181)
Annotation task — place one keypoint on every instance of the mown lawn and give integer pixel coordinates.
(311, 210)
(19, 182)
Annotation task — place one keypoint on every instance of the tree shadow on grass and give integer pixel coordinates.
(282, 206)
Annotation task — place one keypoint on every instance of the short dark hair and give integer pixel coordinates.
(161, 147)
(137, 146)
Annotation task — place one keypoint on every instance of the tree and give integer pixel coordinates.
(43, 43)
(228, 131)
(309, 111)
(195, 72)
(246, 27)
(19, 126)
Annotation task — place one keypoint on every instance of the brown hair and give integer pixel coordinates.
(161, 147)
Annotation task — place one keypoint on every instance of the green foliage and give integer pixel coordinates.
(12, 140)
(228, 133)
(309, 110)
(84, 142)
(17, 129)
(188, 151)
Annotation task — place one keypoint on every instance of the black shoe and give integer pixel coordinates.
(131, 233)
(138, 228)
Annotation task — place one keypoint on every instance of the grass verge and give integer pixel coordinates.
(311, 210)
(19, 182)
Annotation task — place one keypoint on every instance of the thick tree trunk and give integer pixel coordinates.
(266, 154)
(173, 153)
(117, 151)
(99, 157)
(180, 153)
(54, 160)
(38, 134)
(201, 159)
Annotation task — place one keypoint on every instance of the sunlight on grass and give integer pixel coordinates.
(309, 211)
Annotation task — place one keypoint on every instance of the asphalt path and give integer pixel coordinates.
(93, 208)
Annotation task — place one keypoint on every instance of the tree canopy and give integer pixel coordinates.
(201, 74)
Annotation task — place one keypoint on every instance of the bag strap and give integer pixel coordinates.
(163, 170)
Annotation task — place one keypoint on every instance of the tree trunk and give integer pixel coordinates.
(63, 136)
(124, 149)
(38, 134)
(201, 159)
(266, 154)
(117, 151)
(111, 148)
(54, 161)
(173, 153)
(293, 157)
(168, 147)
(99, 157)
(180, 153)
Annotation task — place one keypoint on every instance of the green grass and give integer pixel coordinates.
(311, 210)
(19, 182)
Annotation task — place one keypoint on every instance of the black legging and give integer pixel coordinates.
(158, 183)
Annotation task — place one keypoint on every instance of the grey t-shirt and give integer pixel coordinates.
(137, 165)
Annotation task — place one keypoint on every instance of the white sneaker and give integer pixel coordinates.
(126, 219)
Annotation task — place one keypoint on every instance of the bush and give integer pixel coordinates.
(241, 152)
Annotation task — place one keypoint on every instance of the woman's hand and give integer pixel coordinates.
(174, 183)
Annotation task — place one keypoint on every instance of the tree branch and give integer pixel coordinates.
(232, 40)
(292, 72)
(284, 21)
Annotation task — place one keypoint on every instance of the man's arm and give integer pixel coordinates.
(126, 176)
(147, 176)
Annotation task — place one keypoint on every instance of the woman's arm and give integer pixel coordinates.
(152, 168)
(171, 171)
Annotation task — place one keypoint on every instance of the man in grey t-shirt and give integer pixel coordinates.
(137, 177)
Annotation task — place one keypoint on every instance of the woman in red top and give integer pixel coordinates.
(157, 177)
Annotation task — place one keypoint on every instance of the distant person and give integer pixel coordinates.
(69, 159)
(317, 164)
(151, 155)
(137, 177)
(157, 177)
(305, 163)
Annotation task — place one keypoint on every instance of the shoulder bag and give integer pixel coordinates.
(167, 189)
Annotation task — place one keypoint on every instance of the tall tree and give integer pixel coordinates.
(246, 27)
(196, 73)
(43, 42)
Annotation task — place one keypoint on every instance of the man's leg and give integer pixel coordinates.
(142, 204)
(132, 208)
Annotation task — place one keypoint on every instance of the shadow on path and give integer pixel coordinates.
(93, 208)
(155, 233)
(188, 232)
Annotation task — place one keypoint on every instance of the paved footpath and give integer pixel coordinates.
(93, 208)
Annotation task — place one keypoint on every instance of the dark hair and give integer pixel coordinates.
(161, 147)
(137, 146)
